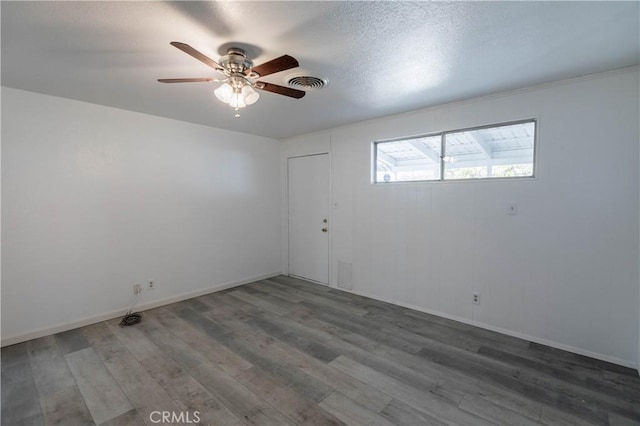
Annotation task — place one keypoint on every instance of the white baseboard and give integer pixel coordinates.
(19, 338)
(11, 340)
(534, 339)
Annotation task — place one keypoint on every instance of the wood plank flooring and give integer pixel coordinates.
(286, 352)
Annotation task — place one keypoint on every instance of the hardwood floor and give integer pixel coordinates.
(284, 351)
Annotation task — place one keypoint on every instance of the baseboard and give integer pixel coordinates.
(534, 339)
(19, 338)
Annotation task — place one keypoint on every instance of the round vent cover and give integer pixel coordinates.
(306, 82)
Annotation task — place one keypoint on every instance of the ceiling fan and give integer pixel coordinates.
(240, 76)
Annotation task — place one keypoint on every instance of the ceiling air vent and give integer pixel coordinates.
(306, 82)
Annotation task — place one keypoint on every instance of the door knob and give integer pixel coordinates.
(324, 229)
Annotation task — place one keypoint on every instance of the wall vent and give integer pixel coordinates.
(345, 275)
(306, 82)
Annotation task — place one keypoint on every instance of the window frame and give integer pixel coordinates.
(443, 154)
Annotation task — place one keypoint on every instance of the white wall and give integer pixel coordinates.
(564, 271)
(95, 199)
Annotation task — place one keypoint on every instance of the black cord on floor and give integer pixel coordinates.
(131, 319)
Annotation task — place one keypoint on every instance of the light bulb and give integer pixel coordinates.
(224, 93)
(250, 95)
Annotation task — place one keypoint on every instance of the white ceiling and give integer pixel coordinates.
(380, 58)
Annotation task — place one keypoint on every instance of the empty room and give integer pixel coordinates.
(320, 213)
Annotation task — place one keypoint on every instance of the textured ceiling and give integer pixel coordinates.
(380, 58)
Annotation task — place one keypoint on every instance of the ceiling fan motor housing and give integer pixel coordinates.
(236, 61)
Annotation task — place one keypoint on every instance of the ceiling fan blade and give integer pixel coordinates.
(280, 90)
(184, 80)
(196, 54)
(282, 63)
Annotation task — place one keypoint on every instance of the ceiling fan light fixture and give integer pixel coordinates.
(224, 93)
(237, 100)
(250, 95)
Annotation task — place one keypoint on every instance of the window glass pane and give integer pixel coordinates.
(502, 151)
(408, 160)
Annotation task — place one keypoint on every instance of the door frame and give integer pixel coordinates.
(330, 217)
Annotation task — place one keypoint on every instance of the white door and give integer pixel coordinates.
(309, 227)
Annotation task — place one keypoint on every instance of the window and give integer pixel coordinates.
(497, 151)
(409, 160)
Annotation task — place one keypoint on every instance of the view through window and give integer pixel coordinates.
(497, 151)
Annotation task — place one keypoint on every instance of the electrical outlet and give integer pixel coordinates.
(137, 289)
(476, 299)
(151, 285)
